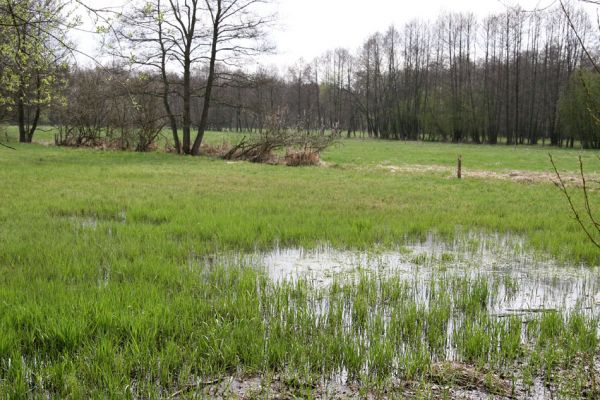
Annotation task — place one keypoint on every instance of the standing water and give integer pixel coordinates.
(526, 282)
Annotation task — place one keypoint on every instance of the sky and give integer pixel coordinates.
(308, 28)
(311, 27)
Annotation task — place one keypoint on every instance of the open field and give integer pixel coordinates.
(351, 153)
(112, 285)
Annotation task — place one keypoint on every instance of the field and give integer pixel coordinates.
(113, 280)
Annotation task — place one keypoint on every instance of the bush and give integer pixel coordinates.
(302, 158)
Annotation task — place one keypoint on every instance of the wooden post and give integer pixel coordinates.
(459, 167)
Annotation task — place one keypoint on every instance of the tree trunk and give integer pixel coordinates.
(187, 104)
(21, 120)
(209, 85)
(34, 124)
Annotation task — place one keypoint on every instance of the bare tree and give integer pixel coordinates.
(503, 79)
(84, 116)
(237, 31)
(163, 35)
(184, 35)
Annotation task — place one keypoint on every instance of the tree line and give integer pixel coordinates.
(518, 77)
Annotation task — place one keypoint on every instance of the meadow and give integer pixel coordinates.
(107, 288)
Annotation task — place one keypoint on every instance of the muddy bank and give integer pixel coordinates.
(445, 381)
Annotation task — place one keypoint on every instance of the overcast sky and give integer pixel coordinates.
(308, 28)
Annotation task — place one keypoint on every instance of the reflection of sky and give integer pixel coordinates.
(308, 28)
(526, 283)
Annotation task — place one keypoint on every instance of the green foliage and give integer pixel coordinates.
(31, 54)
(580, 108)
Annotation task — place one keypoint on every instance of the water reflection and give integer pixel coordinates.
(523, 282)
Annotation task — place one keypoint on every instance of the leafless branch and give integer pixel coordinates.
(576, 213)
(7, 146)
(578, 36)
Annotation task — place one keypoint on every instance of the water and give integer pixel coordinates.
(521, 283)
(524, 282)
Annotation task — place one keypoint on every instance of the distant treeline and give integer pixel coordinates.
(517, 78)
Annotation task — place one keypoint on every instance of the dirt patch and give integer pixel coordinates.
(446, 380)
(281, 388)
(570, 178)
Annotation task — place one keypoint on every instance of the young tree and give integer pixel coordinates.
(32, 51)
(579, 108)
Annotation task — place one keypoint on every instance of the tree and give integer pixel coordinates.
(585, 98)
(83, 118)
(163, 35)
(32, 52)
(508, 78)
(180, 36)
(579, 108)
(238, 31)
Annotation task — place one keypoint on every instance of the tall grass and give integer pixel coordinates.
(104, 291)
(133, 340)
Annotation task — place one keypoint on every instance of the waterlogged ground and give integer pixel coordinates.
(481, 317)
(109, 292)
(524, 282)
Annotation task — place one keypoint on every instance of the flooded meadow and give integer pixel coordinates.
(477, 317)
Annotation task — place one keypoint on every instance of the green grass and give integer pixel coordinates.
(102, 293)
(475, 157)
(179, 205)
(351, 153)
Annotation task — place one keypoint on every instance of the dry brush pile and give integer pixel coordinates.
(301, 148)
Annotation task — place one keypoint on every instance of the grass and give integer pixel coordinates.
(475, 157)
(350, 153)
(103, 293)
(183, 205)
(128, 338)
